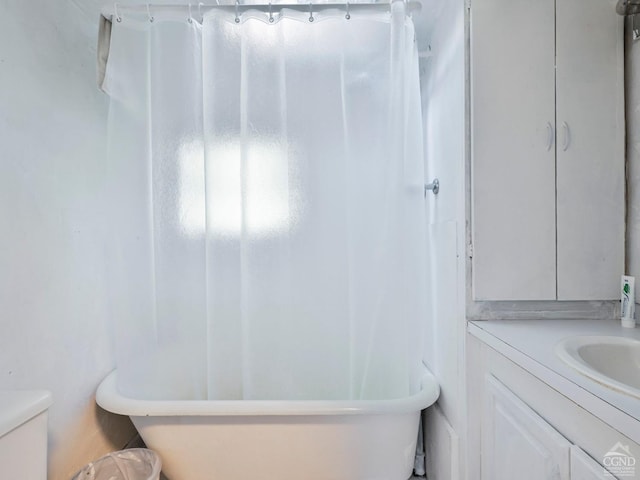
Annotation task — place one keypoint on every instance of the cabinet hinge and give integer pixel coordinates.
(470, 250)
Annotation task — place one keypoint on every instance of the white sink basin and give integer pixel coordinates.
(611, 361)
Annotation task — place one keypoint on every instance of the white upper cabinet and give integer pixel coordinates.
(590, 160)
(547, 135)
(513, 157)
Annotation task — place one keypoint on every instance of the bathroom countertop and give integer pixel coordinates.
(531, 343)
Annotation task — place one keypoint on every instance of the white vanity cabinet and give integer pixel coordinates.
(516, 442)
(521, 427)
(583, 467)
(547, 156)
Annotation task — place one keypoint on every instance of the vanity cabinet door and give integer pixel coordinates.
(513, 151)
(590, 149)
(518, 443)
(583, 467)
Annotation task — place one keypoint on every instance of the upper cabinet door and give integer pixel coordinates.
(590, 146)
(513, 151)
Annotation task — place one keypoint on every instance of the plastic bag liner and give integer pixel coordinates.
(132, 464)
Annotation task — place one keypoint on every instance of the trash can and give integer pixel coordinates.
(131, 464)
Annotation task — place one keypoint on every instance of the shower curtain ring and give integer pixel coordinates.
(407, 9)
(149, 13)
(237, 14)
(200, 12)
(270, 14)
(115, 13)
(311, 12)
(348, 15)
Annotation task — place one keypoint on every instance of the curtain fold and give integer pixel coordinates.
(268, 227)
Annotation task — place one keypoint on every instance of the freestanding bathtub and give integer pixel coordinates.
(278, 440)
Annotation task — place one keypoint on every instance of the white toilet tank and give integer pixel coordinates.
(23, 434)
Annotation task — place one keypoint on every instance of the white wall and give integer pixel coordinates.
(633, 157)
(52, 206)
(444, 116)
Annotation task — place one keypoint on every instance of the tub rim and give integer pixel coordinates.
(108, 397)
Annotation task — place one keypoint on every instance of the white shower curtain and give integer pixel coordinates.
(268, 227)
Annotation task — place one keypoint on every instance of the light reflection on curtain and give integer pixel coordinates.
(268, 235)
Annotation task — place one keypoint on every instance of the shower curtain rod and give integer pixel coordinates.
(198, 9)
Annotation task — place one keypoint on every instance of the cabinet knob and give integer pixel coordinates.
(549, 136)
(567, 136)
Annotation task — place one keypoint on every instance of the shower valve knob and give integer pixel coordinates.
(433, 186)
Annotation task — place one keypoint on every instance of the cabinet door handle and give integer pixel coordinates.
(549, 136)
(567, 136)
